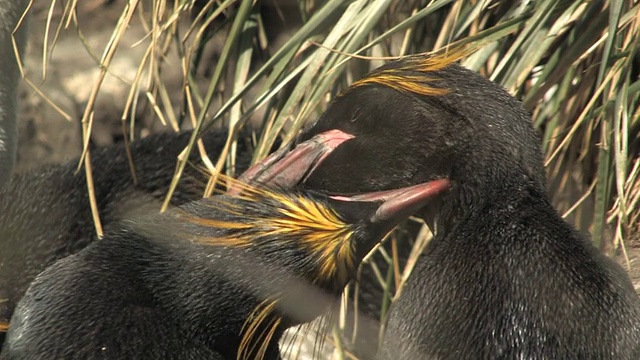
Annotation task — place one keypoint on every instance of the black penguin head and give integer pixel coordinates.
(415, 120)
(318, 237)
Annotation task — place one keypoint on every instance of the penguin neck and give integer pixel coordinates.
(194, 285)
(212, 288)
(216, 292)
(474, 198)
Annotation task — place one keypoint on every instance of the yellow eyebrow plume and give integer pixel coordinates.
(311, 224)
(404, 77)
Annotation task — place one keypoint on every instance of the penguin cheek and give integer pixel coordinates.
(343, 172)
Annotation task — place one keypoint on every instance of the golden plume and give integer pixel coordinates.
(404, 77)
(4, 326)
(310, 224)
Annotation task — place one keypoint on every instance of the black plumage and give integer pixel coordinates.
(223, 276)
(505, 276)
(45, 213)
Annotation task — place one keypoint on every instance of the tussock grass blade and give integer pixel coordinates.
(234, 34)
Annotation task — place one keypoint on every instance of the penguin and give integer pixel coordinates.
(219, 278)
(505, 277)
(45, 213)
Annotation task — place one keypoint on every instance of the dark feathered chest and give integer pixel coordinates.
(528, 288)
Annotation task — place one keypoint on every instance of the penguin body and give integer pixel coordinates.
(505, 276)
(514, 281)
(45, 213)
(95, 305)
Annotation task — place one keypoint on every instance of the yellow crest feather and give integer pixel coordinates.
(319, 228)
(403, 78)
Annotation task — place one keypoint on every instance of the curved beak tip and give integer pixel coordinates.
(401, 203)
